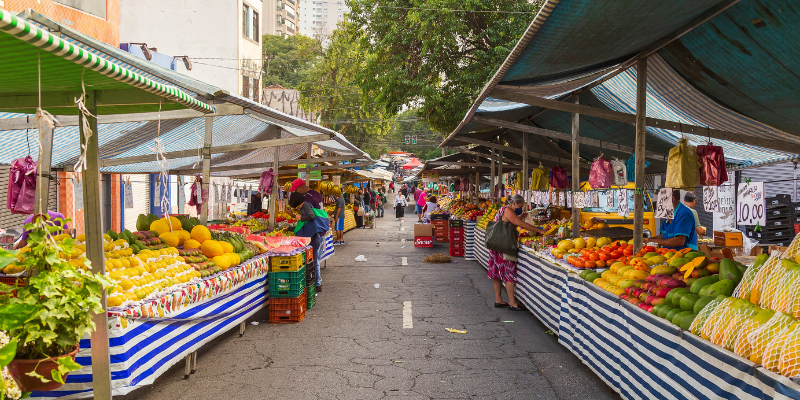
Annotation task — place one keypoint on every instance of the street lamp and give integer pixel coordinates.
(145, 50)
(186, 62)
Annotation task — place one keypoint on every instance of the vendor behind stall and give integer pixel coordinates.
(51, 216)
(679, 232)
(313, 197)
(255, 205)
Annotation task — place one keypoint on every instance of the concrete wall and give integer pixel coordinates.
(208, 31)
(105, 29)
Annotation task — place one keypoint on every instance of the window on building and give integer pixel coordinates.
(256, 24)
(249, 22)
(94, 7)
(245, 11)
(246, 86)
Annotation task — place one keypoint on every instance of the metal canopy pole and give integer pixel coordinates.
(502, 192)
(273, 203)
(93, 228)
(45, 160)
(641, 130)
(308, 163)
(525, 166)
(207, 166)
(477, 191)
(492, 175)
(576, 171)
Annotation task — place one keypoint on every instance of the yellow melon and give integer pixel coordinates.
(222, 262)
(200, 233)
(170, 239)
(191, 244)
(159, 226)
(183, 235)
(211, 248)
(226, 247)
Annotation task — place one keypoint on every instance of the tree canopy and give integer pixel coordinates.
(434, 55)
(288, 60)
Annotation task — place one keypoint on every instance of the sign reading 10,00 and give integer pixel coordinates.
(751, 205)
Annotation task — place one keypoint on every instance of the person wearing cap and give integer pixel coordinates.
(503, 268)
(690, 200)
(313, 197)
(679, 232)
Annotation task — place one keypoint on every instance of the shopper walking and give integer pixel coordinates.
(502, 268)
(400, 204)
(358, 208)
(338, 214)
(421, 199)
(367, 198)
(311, 223)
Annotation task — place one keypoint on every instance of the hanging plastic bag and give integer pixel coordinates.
(712, 165)
(21, 191)
(599, 174)
(198, 193)
(630, 167)
(619, 174)
(682, 166)
(558, 178)
(265, 183)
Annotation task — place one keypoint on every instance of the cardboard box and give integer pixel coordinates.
(423, 241)
(728, 239)
(423, 230)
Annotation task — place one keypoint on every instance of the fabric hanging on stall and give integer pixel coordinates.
(229, 194)
(712, 165)
(600, 174)
(558, 178)
(21, 186)
(630, 167)
(265, 183)
(199, 196)
(619, 174)
(248, 194)
(682, 166)
(77, 195)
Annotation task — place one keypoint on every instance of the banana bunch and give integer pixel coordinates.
(327, 188)
(351, 189)
(287, 186)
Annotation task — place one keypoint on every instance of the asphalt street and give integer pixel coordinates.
(379, 331)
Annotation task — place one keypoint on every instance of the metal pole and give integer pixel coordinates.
(273, 206)
(491, 175)
(477, 190)
(45, 160)
(207, 165)
(308, 164)
(500, 183)
(93, 228)
(641, 131)
(525, 179)
(576, 170)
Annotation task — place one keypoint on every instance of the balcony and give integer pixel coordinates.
(289, 29)
(291, 2)
(290, 15)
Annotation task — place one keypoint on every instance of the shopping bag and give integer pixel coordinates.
(599, 174)
(682, 166)
(712, 165)
(265, 183)
(619, 174)
(630, 167)
(21, 191)
(558, 178)
(501, 237)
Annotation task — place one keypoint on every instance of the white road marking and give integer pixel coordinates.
(377, 286)
(407, 323)
(402, 228)
(404, 261)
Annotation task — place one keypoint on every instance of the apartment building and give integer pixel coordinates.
(281, 17)
(96, 18)
(320, 17)
(222, 39)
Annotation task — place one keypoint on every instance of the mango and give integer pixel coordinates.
(713, 268)
(729, 271)
(692, 255)
(701, 303)
(657, 259)
(699, 284)
(663, 270)
(672, 313)
(665, 309)
(724, 287)
(678, 262)
(688, 301)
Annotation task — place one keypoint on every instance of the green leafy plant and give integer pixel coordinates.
(48, 316)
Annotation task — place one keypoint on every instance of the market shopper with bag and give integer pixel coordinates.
(311, 223)
(400, 207)
(358, 209)
(501, 240)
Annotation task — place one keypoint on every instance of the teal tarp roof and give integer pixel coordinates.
(730, 73)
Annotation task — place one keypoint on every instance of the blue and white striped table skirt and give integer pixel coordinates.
(327, 250)
(469, 239)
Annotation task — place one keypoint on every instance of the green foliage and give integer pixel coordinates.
(288, 60)
(431, 58)
(50, 314)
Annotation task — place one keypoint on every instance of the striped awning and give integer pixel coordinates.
(35, 61)
(728, 73)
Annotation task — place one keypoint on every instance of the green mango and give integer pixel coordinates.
(113, 234)
(142, 223)
(724, 287)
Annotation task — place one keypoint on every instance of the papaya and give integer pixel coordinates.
(194, 221)
(724, 287)
(676, 298)
(664, 310)
(688, 300)
(700, 304)
(729, 271)
(685, 321)
(672, 313)
(142, 223)
(129, 237)
(671, 295)
(690, 282)
(113, 234)
(592, 276)
(702, 282)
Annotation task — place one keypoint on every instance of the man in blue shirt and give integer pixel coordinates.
(677, 233)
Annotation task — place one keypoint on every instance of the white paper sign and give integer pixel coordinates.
(229, 194)
(157, 192)
(561, 200)
(77, 186)
(595, 199)
(711, 199)
(248, 194)
(579, 200)
(128, 194)
(568, 195)
(726, 217)
(622, 199)
(610, 194)
(751, 204)
(181, 194)
(664, 207)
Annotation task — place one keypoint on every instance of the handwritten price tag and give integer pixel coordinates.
(595, 199)
(610, 194)
(751, 204)
(711, 199)
(622, 200)
(569, 199)
(664, 208)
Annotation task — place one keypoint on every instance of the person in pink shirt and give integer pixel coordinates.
(421, 200)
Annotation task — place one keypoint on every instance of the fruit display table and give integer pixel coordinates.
(349, 220)
(636, 353)
(144, 348)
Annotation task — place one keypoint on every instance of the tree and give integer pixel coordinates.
(329, 89)
(430, 55)
(287, 60)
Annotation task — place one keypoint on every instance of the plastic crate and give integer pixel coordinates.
(309, 255)
(456, 252)
(458, 229)
(286, 263)
(288, 313)
(311, 296)
(284, 302)
(456, 237)
(457, 245)
(796, 229)
(456, 223)
(287, 284)
(440, 217)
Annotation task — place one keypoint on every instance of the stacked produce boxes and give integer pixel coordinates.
(456, 238)
(781, 217)
(311, 281)
(287, 288)
(439, 222)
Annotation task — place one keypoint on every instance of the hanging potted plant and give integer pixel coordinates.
(46, 318)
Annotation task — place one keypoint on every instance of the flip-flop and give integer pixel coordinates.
(515, 308)
(500, 305)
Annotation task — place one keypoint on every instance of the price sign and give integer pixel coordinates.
(579, 200)
(610, 198)
(545, 198)
(569, 199)
(664, 207)
(128, 194)
(711, 199)
(561, 200)
(595, 199)
(622, 200)
(751, 204)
